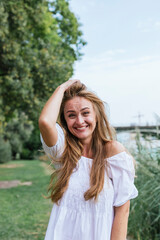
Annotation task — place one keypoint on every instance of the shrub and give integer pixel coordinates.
(145, 209)
(18, 131)
(5, 151)
(32, 146)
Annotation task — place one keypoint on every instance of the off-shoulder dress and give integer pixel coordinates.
(77, 219)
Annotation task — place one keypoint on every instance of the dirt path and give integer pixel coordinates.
(13, 183)
(13, 165)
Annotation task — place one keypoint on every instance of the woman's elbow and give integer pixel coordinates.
(43, 122)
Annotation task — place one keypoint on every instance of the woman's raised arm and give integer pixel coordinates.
(49, 114)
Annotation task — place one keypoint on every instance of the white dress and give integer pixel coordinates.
(77, 219)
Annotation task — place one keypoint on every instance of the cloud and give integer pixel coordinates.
(157, 24)
(113, 52)
(110, 60)
(129, 85)
(112, 68)
(148, 25)
(106, 58)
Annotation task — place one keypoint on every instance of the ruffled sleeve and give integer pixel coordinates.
(122, 173)
(56, 150)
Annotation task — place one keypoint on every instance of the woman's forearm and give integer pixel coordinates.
(51, 109)
(120, 223)
(48, 117)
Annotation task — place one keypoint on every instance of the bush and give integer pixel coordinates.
(144, 214)
(5, 151)
(18, 131)
(33, 145)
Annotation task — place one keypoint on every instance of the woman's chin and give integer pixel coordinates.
(83, 137)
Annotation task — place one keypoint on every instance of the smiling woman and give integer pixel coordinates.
(94, 174)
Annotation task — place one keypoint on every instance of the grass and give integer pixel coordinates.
(24, 213)
(145, 209)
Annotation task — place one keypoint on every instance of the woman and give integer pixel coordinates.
(94, 174)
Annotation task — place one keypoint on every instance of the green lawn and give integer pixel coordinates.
(24, 213)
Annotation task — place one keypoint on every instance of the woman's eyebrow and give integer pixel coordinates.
(80, 110)
(70, 111)
(84, 108)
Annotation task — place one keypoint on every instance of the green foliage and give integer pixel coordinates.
(5, 151)
(18, 131)
(32, 146)
(145, 209)
(39, 42)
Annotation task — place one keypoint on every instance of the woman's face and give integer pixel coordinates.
(80, 117)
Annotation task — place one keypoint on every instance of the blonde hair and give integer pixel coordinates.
(73, 148)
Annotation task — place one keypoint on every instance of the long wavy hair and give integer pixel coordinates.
(102, 134)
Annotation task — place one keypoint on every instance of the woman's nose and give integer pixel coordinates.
(79, 119)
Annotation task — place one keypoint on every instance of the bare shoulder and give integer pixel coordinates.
(114, 147)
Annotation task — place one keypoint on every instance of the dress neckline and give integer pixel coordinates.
(108, 157)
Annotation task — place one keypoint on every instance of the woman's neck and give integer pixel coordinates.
(87, 151)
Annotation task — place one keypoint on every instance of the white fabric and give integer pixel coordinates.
(77, 219)
(58, 148)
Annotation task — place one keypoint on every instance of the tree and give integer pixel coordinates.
(39, 42)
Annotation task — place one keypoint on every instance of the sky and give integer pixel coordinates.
(121, 61)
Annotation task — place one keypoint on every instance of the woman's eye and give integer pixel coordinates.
(71, 115)
(86, 113)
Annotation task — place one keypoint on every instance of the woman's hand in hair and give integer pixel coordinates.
(68, 83)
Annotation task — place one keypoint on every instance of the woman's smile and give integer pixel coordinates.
(81, 128)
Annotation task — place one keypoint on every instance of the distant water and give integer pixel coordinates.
(129, 141)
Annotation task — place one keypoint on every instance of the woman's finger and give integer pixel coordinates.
(70, 82)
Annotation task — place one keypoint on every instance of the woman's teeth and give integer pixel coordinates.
(81, 128)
